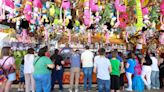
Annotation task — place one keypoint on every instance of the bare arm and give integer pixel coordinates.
(95, 70)
(51, 66)
(110, 69)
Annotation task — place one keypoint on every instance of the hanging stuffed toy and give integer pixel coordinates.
(139, 15)
(162, 15)
(37, 5)
(161, 38)
(89, 37)
(97, 18)
(93, 5)
(87, 13)
(28, 10)
(44, 15)
(119, 8)
(9, 6)
(2, 10)
(123, 20)
(67, 12)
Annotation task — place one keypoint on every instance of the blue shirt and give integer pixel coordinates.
(118, 57)
(75, 60)
(132, 63)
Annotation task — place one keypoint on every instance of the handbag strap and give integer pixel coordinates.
(37, 61)
(4, 62)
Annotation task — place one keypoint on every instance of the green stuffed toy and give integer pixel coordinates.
(140, 23)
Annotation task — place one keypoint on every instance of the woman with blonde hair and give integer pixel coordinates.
(7, 63)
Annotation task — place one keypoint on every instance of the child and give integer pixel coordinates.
(21, 79)
(138, 85)
(115, 74)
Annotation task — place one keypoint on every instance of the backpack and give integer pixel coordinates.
(3, 73)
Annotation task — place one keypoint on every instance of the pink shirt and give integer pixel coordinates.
(10, 61)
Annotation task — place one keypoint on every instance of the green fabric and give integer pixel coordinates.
(115, 63)
(40, 66)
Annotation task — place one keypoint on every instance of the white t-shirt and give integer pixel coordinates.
(28, 63)
(102, 65)
(87, 58)
(154, 65)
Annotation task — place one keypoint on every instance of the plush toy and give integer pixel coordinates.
(123, 20)
(52, 10)
(97, 18)
(93, 5)
(162, 22)
(87, 13)
(89, 37)
(10, 5)
(119, 7)
(44, 15)
(140, 23)
(32, 27)
(2, 11)
(162, 7)
(28, 10)
(161, 38)
(37, 3)
(67, 13)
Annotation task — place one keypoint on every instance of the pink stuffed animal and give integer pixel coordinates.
(37, 3)
(87, 13)
(161, 38)
(145, 10)
(119, 7)
(162, 7)
(28, 10)
(65, 4)
(123, 20)
(93, 6)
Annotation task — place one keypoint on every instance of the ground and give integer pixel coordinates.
(94, 89)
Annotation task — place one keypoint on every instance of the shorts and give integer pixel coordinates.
(21, 80)
(11, 77)
(115, 82)
(122, 79)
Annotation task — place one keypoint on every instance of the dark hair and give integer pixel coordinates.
(5, 51)
(148, 59)
(101, 51)
(42, 51)
(130, 55)
(30, 51)
(87, 47)
(56, 51)
(153, 54)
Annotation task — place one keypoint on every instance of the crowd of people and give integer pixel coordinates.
(39, 73)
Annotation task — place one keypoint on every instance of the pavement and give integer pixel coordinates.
(94, 89)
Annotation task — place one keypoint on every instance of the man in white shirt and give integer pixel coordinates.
(87, 64)
(102, 67)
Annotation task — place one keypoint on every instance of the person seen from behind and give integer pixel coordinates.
(102, 67)
(42, 74)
